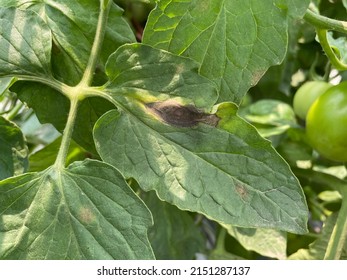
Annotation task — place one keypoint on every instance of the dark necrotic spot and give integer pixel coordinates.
(175, 114)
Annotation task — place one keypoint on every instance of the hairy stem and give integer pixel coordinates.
(87, 78)
(339, 235)
(67, 135)
(335, 61)
(323, 22)
(322, 25)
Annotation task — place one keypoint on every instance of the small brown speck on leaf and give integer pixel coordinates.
(242, 191)
(179, 115)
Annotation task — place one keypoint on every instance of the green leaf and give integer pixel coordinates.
(25, 43)
(267, 242)
(279, 80)
(330, 196)
(13, 151)
(149, 74)
(234, 41)
(174, 234)
(339, 45)
(317, 249)
(73, 26)
(270, 112)
(229, 173)
(271, 117)
(86, 211)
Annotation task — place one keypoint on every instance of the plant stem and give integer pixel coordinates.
(220, 247)
(335, 61)
(322, 25)
(51, 82)
(322, 22)
(67, 135)
(339, 234)
(87, 78)
(79, 92)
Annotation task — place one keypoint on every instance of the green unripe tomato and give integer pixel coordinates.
(326, 123)
(306, 95)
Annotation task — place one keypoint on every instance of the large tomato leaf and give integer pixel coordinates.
(231, 177)
(235, 41)
(73, 24)
(25, 44)
(142, 72)
(211, 162)
(86, 211)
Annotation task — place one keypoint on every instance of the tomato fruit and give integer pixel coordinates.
(326, 123)
(306, 95)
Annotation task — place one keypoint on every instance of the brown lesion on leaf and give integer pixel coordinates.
(176, 114)
(242, 191)
(86, 215)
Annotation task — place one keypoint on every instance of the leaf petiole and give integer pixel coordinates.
(322, 25)
(322, 22)
(49, 81)
(335, 61)
(67, 135)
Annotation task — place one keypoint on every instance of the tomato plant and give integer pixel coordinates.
(122, 138)
(326, 123)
